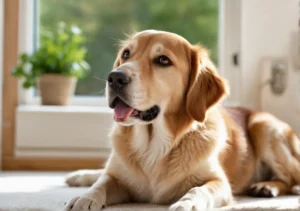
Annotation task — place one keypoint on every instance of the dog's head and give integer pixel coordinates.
(159, 73)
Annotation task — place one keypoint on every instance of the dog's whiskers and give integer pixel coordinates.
(97, 93)
(100, 79)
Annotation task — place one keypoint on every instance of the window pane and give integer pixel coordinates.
(104, 22)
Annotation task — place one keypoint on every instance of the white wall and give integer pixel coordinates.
(1, 71)
(268, 27)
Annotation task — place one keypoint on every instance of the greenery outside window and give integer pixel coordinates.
(105, 22)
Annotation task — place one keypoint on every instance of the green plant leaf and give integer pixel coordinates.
(27, 84)
(23, 57)
(60, 52)
(17, 72)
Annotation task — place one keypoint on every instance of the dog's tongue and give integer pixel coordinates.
(122, 111)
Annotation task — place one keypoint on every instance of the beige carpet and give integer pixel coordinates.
(47, 192)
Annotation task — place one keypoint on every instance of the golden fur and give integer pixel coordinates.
(196, 154)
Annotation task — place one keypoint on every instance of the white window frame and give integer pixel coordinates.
(229, 44)
(45, 130)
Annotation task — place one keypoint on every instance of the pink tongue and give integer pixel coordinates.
(122, 112)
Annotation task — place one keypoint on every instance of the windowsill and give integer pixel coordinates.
(64, 109)
(27, 98)
(62, 131)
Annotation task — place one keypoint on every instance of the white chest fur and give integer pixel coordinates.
(151, 147)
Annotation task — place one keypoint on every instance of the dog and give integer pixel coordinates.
(174, 143)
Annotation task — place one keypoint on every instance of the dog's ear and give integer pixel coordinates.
(206, 87)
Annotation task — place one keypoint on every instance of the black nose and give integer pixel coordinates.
(118, 79)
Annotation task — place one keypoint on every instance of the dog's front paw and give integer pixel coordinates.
(187, 205)
(83, 177)
(87, 202)
(193, 200)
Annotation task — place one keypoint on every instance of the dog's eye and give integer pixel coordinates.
(126, 54)
(163, 61)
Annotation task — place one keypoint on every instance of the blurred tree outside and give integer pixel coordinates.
(104, 22)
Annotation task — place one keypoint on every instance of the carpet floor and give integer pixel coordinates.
(46, 191)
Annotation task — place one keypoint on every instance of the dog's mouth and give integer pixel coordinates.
(123, 111)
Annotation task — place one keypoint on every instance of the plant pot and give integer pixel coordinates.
(56, 89)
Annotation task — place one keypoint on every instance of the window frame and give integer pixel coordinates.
(32, 122)
(1, 67)
(230, 26)
(86, 112)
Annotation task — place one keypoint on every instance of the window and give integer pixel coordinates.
(81, 130)
(104, 22)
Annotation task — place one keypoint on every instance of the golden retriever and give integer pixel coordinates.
(172, 141)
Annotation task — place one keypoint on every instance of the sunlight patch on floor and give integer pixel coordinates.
(10, 183)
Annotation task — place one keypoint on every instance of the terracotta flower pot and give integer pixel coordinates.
(56, 89)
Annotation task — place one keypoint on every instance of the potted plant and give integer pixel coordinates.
(55, 66)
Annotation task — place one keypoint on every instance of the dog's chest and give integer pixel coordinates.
(151, 145)
(150, 148)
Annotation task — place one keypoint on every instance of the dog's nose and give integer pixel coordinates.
(118, 79)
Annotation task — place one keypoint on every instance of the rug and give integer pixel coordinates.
(46, 191)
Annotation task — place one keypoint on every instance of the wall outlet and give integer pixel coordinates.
(278, 77)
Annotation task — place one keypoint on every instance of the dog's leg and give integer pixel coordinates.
(277, 146)
(213, 194)
(296, 190)
(268, 189)
(83, 177)
(105, 191)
